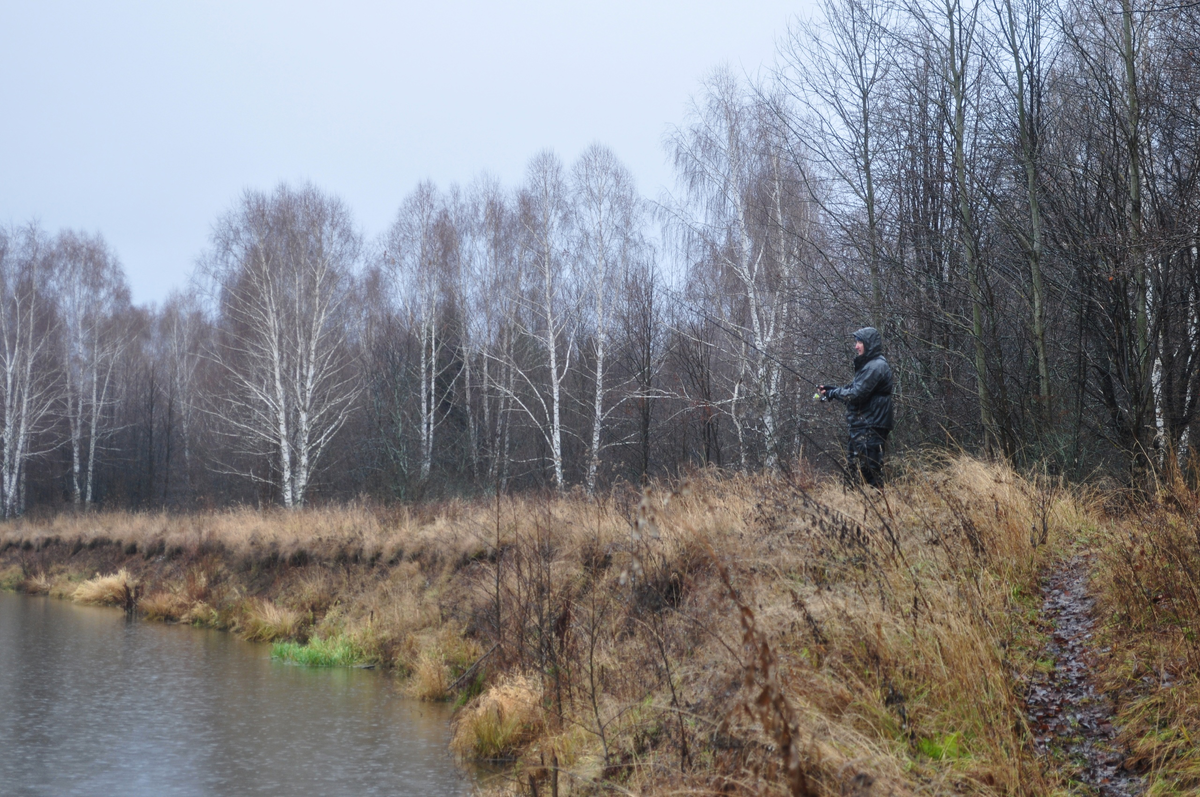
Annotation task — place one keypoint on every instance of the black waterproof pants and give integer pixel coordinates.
(866, 457)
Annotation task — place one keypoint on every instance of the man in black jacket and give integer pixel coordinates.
(868, 406)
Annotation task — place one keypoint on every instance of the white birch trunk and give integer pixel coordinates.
(551, 341)
(597, 417)
(30, 389)
(99, 401)
(472, 435)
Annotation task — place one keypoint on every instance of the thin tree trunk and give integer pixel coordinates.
(472, 435)
(555, 380)
(597, 414)
(1142, 393)
(958, 58)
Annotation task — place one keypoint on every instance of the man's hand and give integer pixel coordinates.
(823, 390)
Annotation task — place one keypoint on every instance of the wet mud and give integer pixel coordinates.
(1069, 718)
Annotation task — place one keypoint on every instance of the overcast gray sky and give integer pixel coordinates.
(145, 120)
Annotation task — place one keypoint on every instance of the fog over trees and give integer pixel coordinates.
(1008, 189)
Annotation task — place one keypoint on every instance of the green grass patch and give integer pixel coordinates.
(474, 689)
(338, 652)
(942, 748)
(11, 578)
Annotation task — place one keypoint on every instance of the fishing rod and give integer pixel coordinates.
(871, 501)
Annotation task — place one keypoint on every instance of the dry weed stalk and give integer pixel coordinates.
(766, 698)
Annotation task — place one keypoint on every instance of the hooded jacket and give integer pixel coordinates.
(869, 397)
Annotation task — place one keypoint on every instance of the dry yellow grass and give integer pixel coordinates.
(264, 621)
(186, 599)
(889, 625)
(37, 584)
(1148, 574)
(499, 724)
(430, 677)
(353, 532)
(164, 605)
(116, 589)
(437, 661)
(606, 644)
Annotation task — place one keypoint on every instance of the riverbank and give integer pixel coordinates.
(745, 635)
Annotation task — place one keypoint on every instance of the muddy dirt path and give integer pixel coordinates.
(1069, 718)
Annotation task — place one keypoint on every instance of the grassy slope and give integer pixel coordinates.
(1148, 577)
(742, 635)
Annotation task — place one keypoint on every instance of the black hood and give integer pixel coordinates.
(872, 343)
(869, 397)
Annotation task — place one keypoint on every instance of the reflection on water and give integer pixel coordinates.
(93, 705)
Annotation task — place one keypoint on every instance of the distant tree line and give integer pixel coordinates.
(1008, 189)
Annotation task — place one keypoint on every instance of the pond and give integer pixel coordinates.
(91, 703)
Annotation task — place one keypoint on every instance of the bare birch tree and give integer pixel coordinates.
(93, 298)
(727, 158)
(546, 314)
(491, 296)
(30, 387)
(414, 253)
(184, 327)
(282, 266)
(609, 220)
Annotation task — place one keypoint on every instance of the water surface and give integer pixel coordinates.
(91, 704)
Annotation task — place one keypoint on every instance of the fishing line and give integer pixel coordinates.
(732, 332)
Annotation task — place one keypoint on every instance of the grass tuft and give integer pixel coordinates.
(501, 722)
(264, 621)
(11, 578)
(430, 680)
(112, 590)
(37, 584)
(164, 605)
(320, 653)
(943, 748)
